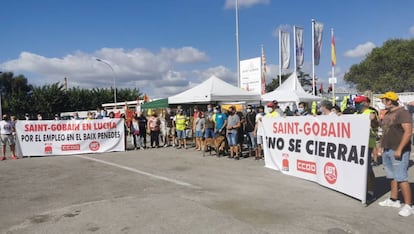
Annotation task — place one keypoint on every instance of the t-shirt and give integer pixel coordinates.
(6, 127)
(259, 118)
(220, 118)
(233, 120)
(200, 122)
(392, 130)
(142, 121)
(169, 119)
(250, 121)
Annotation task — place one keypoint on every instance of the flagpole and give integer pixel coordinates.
(333, 67)
(280, 57)
(295, 49)
(313, 57)
(237, 43)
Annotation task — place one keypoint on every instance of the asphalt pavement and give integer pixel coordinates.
(168, 190)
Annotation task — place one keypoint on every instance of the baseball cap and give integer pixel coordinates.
(390, 95)
(272, 103)
(361, 98)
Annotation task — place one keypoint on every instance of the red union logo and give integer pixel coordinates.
(330, 173)
(70, 147)
(306, 166)
(94, 146)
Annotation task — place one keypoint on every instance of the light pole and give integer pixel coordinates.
(114, 75)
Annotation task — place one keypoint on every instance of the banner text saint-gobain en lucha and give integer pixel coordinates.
(70, 137)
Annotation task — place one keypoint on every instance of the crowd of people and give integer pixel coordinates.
(242, 134)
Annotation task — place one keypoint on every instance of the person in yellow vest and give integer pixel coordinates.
(362, 105)
(273, 112)
(180, 122)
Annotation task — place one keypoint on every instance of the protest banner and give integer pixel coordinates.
(329, 150)
(65, 137)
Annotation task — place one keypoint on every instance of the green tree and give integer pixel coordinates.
(15, 93)
(275, 83)
(49, 99)
(390, 67)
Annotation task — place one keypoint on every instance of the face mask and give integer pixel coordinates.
(209, 109)
(358, 106)
(249, 110)
(39, 117)
(195, 110)
(301, 110)
(56, 118)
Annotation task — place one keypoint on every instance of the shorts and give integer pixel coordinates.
(181, 134)
(7, 139)
(170, 131)
(259, 140)
(209, 133)
(396, 169)
(199, 134)
(232, 138)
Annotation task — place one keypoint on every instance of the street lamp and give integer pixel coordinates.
(114, 75)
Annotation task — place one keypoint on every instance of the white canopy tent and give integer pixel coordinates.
(213, 90)
(290, 91)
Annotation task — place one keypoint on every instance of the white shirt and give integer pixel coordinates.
(259, 117)
(6, 127)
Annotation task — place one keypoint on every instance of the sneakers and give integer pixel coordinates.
(3, 158)
(13, 157)
(406, 211)
(390, 203)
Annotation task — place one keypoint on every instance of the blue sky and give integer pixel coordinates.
(164, 47)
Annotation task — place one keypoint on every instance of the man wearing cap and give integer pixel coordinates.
(396, 143)
(362, 106)
(273, 112)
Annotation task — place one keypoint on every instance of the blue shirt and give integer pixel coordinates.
(220, 118)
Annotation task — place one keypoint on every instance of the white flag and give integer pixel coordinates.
(299, 46)
(318, 30)
(285, 49)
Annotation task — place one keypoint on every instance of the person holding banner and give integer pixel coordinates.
(396, 143)
(6, 136)
(362, 106)
(273, 105)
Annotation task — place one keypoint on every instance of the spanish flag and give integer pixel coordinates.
(333, 52)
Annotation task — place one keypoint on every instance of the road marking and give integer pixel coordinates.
(174, 181)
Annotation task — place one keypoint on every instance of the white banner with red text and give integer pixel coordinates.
(65, 137)
(329, 150)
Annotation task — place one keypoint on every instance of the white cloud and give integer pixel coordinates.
(412, 31)
(231, 4)
(150, 72)
(361, 50)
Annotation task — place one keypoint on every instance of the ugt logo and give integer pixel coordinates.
(330, 173)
